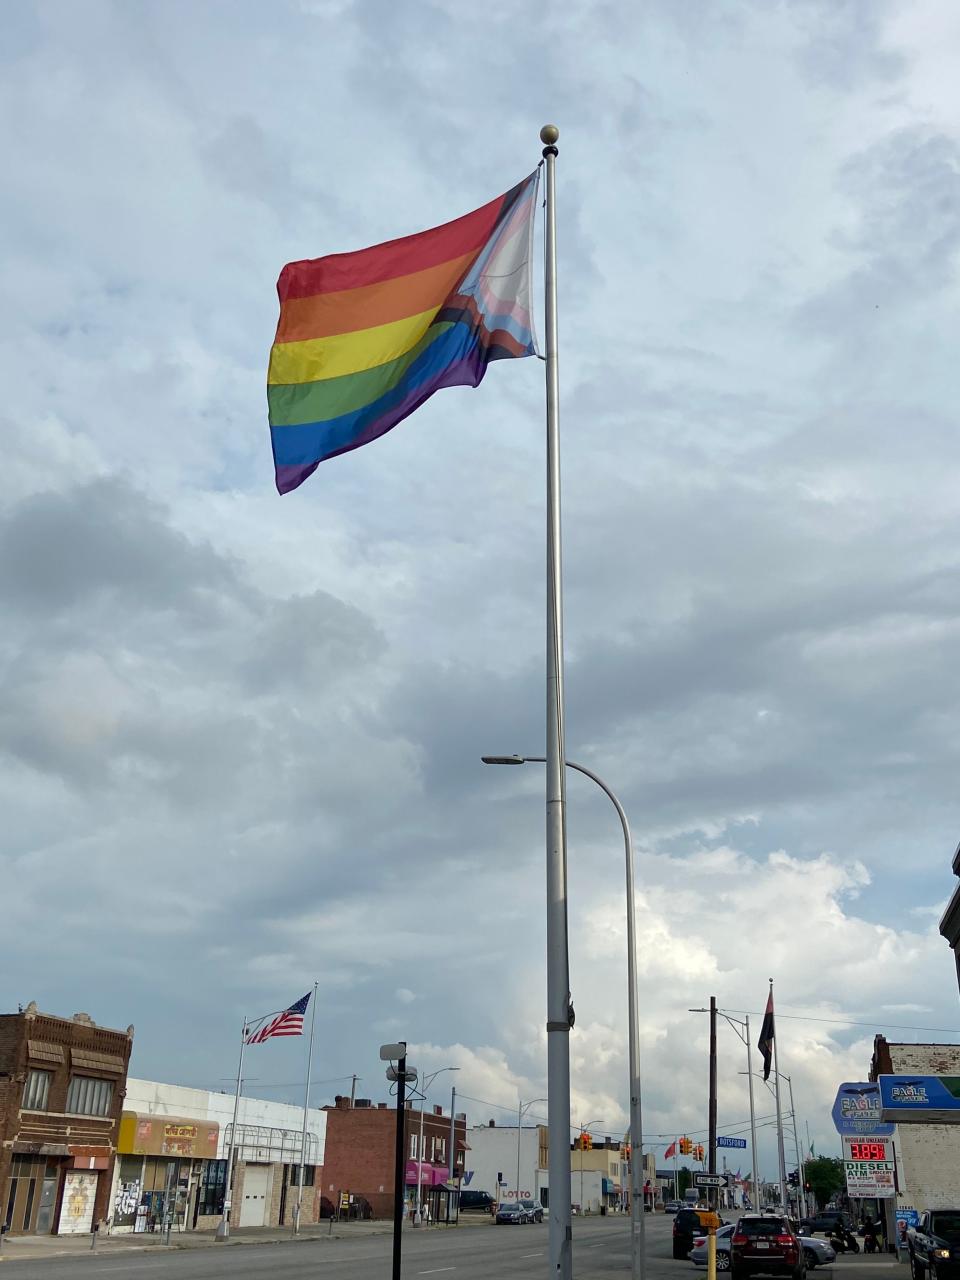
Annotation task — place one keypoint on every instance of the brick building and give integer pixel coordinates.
(62, 1084)
(360, 1152)
(928, 1155)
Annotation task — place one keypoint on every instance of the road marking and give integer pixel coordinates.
(532, 1255)
(436, 1271)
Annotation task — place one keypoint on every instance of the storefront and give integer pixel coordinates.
(166, 1169)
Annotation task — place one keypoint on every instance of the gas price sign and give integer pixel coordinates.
(867, 1150)
(869, 1166)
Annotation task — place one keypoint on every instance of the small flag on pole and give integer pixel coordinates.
(765, 1043)
(365, 338)
(287, 1023)
(671, 1151)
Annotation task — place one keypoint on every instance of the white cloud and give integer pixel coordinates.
(246, 731)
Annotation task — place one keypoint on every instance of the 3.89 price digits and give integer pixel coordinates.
(868, 1151)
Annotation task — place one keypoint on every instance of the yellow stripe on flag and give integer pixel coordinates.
(292, 363)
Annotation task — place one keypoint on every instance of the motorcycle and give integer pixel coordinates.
(844, 1241)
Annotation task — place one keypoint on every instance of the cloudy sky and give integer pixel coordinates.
(240, 734)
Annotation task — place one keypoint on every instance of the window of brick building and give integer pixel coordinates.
(88, 1096)
(309, 1174)
(36, 1091)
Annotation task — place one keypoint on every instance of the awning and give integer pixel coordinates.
(431, 1175)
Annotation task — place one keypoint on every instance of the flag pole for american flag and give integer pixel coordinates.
(223, 1231)
(306, 1109)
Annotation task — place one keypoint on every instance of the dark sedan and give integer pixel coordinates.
(514, 1214)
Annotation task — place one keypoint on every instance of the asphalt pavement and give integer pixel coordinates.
(601, 1249)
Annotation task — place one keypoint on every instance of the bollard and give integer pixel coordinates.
(93, 1235)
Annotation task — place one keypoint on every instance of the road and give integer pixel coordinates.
(601, 1252)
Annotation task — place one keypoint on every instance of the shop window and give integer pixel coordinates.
(88, 1096)
(309, 1174)
(213, 1186)
(36, 1091)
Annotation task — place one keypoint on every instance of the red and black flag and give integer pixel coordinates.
(765, 1043)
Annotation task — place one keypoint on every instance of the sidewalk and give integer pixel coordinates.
(18, 1248)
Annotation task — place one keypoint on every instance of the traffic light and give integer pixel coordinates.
(794, 1178)
(698, 1153)
(686, 1146)
(586, 1142)
(626, 1151)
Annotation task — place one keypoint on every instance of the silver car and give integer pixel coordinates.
(817, 1253)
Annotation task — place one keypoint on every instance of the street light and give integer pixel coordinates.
(425, 1083)
(522, 1109)
(637, 1221)
(801, 1163)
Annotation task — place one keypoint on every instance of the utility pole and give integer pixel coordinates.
(712, 1139)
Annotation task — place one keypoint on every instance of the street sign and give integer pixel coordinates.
(920, 1099)
(857, 1110)
(732, 1142)
(709, 1180)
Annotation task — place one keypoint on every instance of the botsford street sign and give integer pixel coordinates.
(731, 1142)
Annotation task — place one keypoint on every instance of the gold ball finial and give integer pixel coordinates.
(549, 135)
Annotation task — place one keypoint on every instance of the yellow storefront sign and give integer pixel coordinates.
(142, 1135)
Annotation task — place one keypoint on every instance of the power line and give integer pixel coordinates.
(848, 1022)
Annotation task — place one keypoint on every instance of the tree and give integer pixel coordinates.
(684, 1178)
(825, 1176)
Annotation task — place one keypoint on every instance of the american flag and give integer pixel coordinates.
(288, 1023)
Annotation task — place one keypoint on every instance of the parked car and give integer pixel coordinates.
(672, 1206)
(513, 1212)
(477, 1200)
(534, 1207)
(817, 1253)
(766, 1245)
(687, 1224)
(827, 1221)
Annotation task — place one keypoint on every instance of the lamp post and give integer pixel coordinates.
(584, 1128)
(522, 1109)
(637, 1221)
(426, 1082)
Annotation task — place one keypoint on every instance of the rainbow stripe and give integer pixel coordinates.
(365, 338)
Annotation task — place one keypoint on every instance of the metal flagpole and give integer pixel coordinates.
(306, 1107)
(755, 1196)
(782, 1168)
(223, 1230)
(559, 1008)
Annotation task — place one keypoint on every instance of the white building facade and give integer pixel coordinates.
(493, 1158)
(172, 1160)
